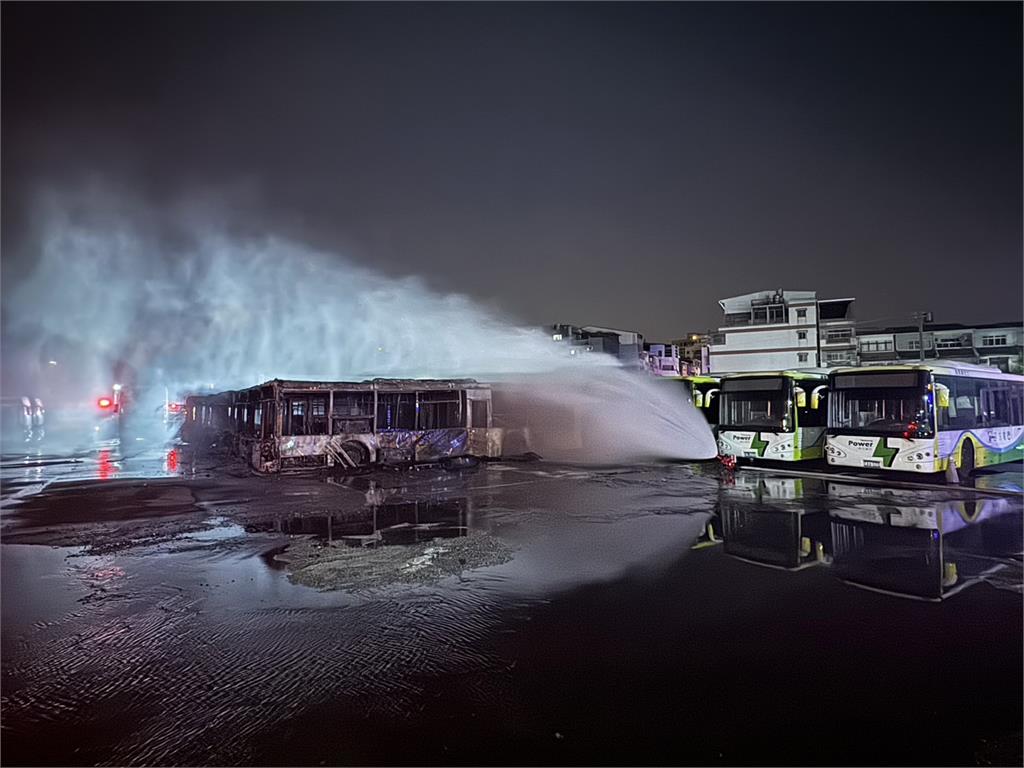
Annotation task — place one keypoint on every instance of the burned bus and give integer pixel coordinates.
(282, 425)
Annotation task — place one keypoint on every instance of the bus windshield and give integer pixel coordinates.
(710, 411)
(881, 404)
(756, 404)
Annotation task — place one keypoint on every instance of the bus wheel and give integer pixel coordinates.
(455, 463)
(356, 453)
(966, 462)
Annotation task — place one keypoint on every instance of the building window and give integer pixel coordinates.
(834, 337)
(801, 357)
(718, 338)
(876, 346)
(801, 314)
(953, 343)
(914, 344)
(998, 340)
(768, 314)
(801, 335)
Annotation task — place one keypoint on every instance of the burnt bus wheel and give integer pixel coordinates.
(966, 461)
(356, 453)
(455, 463)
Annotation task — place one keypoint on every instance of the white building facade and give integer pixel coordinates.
(783, 330)
(663, 360)
(999, 345)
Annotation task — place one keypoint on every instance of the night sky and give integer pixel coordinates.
(623, 165)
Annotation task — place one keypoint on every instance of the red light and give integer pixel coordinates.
(175, 407)
(910, 431)
(104, 402)
(172, 460)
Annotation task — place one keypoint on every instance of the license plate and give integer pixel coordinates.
(872, 463)
(750, 454)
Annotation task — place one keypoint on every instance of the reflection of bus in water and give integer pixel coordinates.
(774, 521)
(925, 418)
(703, 393)
(387, 520)
(922, 551)
(774, 416)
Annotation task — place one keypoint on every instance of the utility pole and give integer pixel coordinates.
(922, 318)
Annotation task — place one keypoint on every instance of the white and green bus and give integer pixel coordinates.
(703, 393)
(776, 416)
(925, 418)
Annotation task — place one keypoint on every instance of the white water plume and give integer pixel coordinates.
(215, 311)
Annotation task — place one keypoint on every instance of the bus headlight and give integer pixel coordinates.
(835, 452)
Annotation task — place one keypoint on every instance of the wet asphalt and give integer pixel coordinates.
(662, 614)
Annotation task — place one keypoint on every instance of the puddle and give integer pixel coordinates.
(393, 542)
(220, 529)
(396, 523)
(902, 542)
(522, 616)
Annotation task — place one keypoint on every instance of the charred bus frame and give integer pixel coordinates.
(283, 424)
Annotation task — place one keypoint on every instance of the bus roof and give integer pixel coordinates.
(294, 386)
(819, 374)
(694, 379)
(941, 367)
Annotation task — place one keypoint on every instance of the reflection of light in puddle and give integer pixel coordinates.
(172, 460)
(107, 468)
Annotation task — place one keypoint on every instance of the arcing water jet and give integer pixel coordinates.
(214, 312)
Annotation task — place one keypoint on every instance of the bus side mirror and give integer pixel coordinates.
(707, 397)
(698, 399)
(817, 395)
(801, 397)
(941, 396)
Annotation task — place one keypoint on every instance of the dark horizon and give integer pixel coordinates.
(606, 164)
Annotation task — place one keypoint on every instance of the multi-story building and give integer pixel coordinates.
(663, 359)
(1000, 345)
(780, 330)
(625, 345)
(630, 343)
(693, 352)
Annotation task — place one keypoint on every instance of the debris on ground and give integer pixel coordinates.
(314, 563)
